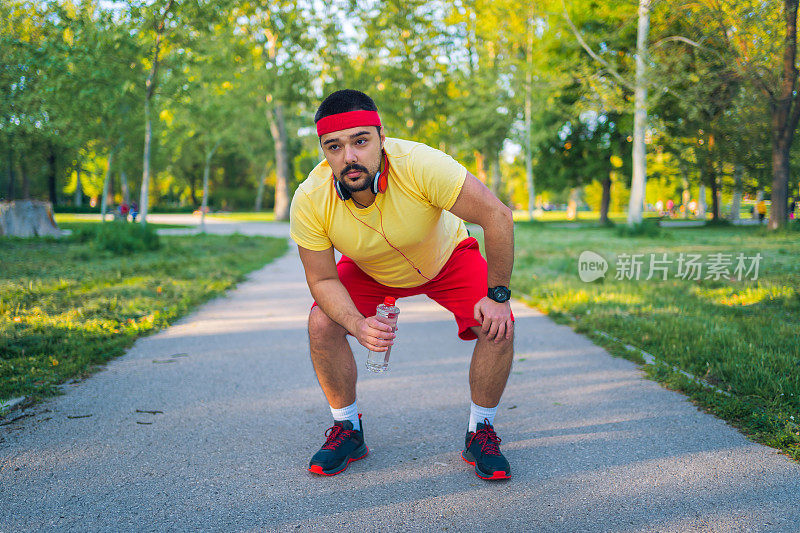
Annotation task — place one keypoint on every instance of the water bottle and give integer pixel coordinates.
(379, 361)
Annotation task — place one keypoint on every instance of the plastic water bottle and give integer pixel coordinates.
(379, 361)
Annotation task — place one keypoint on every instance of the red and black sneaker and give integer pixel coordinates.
(481, 449)
(344, 445)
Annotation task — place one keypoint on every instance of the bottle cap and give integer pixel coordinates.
(388, 301)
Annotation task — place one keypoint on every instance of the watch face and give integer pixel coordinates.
(500, 294)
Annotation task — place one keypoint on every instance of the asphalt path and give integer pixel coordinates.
(235, 413)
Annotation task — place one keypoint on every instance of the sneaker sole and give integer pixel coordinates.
(499, 474)
(317, 469)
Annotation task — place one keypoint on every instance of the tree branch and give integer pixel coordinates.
(159, 32)
(682, 39)
(597, 58)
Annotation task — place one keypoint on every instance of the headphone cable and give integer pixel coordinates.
(383, 234)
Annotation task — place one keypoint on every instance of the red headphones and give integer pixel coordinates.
(379, 183)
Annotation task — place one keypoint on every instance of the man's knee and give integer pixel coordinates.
(321, 327)
(506, 342)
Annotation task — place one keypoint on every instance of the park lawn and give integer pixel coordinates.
(72, 221)
(741, 336)
(81, 224)
(66, 308)
(618, 217)
(244, 216)
(521, 215)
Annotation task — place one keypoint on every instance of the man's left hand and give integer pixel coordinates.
(495, 318)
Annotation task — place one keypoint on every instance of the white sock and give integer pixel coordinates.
(477, 414)
(348, 413)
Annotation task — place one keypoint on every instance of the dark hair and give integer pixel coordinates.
(344, 101)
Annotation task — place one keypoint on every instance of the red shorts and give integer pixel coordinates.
(457, 287)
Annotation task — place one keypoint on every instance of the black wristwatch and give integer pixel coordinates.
(499, 294)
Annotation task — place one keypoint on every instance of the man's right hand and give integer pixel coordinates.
(375, 333)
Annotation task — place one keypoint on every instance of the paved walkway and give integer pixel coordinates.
(593, 445)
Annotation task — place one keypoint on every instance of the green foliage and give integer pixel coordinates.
(454, 75)
(720, 223)
(646, 228)
(119, 238)
(124, 238)
(66, 307)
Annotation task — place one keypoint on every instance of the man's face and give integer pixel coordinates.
(354, 155)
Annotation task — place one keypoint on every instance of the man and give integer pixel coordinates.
(396, 209)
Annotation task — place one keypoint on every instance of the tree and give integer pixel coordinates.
(286, 52)
(761, 38)
(159, 21)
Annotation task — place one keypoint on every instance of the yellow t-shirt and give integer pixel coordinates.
(423, 183)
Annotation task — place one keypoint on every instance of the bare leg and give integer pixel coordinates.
(332, 358)
(488, 372)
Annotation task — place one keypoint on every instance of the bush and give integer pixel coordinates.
(720, 223)
(172, 209)
(608, 224)
(121, 238)
(647, 228)
(125, 238)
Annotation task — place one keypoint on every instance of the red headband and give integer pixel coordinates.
(343, 121)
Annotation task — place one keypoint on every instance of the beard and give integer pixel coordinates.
(361, 185)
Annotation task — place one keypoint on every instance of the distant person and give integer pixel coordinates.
(124, 209)
(761, 209)
(134, 211)
(792, 207)
(670, 208)
(396, 209)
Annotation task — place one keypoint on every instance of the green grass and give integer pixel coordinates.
(66, 307)
(561, 216)
(591, 217)
(264, 216)
(740, 336)
(72, 222)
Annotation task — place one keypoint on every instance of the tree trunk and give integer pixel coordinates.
(206, 174)
(23, 174)
(145, 191)
(736, 203)
(78, 188)
(277, 128)
(785, 111)
(572, 203)
(106, 187)
(528, 104)
(27, 218)
(193, 192)
(123, 180)
(686, 194)
(701, 202)
(149, 88)
(639, 179)
(260, 192)
(778, 212)
(606, 199)
(497, 179)
(51, 177)
(713, 184)
(10, 191)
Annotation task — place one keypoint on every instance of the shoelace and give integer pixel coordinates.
(487, 438)
(335, 434)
